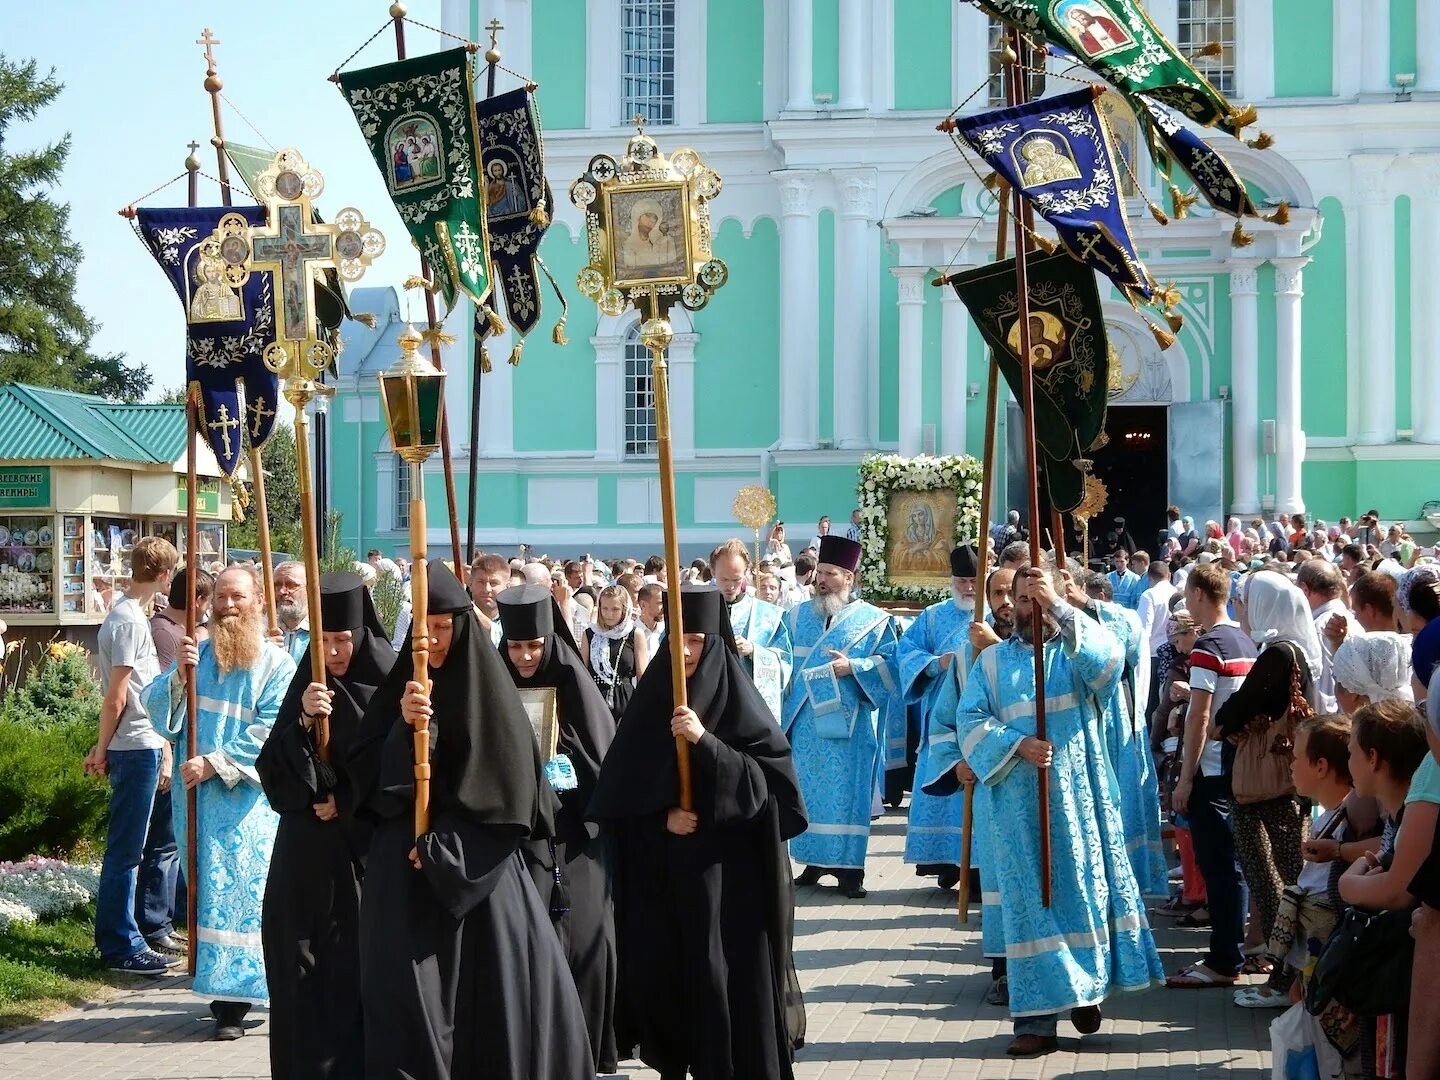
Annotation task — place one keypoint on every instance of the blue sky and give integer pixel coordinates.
(134, 98)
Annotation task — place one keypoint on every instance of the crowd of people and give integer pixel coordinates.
(1244, 711)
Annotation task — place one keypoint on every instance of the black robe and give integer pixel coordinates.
(461, 972)
(310, 927)
(580, 901)
(705, 922)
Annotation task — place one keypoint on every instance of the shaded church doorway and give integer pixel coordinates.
(1134, 467)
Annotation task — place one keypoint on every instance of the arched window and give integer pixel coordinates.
(1200, 23)
(647, 66)
(1034, 78)
(402, 493)
(639, 397)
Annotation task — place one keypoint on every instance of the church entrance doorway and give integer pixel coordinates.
(1133, 465)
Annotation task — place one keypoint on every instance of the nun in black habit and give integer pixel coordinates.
(310, 928)
(461, 973)
(571, 870)
(704, 904)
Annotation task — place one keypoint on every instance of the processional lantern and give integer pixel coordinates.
(412, 393)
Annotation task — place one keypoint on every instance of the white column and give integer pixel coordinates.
(1244, 388)
(609, 395)
(854, 58)
(799, 71)
(497, 395)
(1424, 344)
(602, 65)
(1347, 17)
(1289, 437)
(1427, 46)
(690, 25)
(854, 269)
(970, 52)
(799, 312)
(1255, 47)
(911, 301)
(1375, 48)
(954, 371)
(1375, 229)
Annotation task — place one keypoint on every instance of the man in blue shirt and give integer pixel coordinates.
(1127, 584)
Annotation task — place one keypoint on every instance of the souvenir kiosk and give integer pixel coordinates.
(81, 479)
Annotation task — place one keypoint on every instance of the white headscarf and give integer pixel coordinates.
(1277, 611)
(1376, 666)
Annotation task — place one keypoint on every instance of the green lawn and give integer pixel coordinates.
(47, 967)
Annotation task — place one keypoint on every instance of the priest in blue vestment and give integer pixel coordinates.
(242, 679)
(1127, 740)
(1093, 939)
(761, 639)
(845, 652)
(934, 644)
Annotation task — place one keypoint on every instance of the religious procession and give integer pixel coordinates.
(429, 687)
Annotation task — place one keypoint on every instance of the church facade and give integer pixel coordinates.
(1305, 377)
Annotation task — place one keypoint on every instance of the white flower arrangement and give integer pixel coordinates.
(39, 888)
(879, 476)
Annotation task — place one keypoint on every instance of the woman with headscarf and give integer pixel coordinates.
(311, 923)
(1270, 830)
(571, 871)
(1372, 667)
(614, 648)
(461, 972)
(1278, 543)
(1234, 537)
(704, 904)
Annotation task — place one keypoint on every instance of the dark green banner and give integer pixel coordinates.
(418, 117)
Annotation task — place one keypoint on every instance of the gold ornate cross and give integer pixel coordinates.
(639, 121)
(223, 425)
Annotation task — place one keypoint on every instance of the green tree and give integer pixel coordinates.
(44, 334)
(282, 498)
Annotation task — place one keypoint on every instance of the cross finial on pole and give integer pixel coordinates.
(639, 121)
(494, 26)
(193, 146)
(209, 40)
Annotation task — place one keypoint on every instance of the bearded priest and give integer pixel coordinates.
(761, 639)
(937, 641)
(241, 680)
(846, 652)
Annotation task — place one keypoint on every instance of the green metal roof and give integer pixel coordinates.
(41, 424)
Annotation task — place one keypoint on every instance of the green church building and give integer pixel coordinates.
(1305, 377)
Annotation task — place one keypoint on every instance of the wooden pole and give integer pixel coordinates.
(1016, 92)
(213, 86)
(420, 643)
(309, 531)
(657, 337)
(192, 569)
(397, 14)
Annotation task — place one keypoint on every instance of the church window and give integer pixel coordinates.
(1202, 22)
(639, 398)
(402, 493)
(1034, 63)
(647, 32)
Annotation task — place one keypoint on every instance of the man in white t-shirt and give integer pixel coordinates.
(136, 759)
(1154, 613)
(1324, 590)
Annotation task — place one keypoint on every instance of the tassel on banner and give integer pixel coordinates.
(496, 324)
(1175, 320)
(1210, 48)
(1047, 246)
(1243, 116)
(1180, 203)
(415, 281)
(1263, 141)
(558, 334)
(515, 353)
(1239, 237)
(1281, 216)
(366, 319)
(485, 365)
(1162, 338)
(539, 216)
(1158, 214)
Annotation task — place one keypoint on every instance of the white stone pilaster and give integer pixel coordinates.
(1244, 389)
(854, 272)
(604, 89)
(854, 58)
(1375, 229)
(690, 27)
(680, 368)
(1427, 45)
(911, 301)
(1375, 48)
(1289, 437)
(954, 371)
(1255, 51)
(609, 397)
(1424, 344)
(800, 44)
(970, 52)
(1165, 14)
(799, 311)
(1348, 19)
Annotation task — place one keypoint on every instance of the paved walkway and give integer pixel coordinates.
(893, 987)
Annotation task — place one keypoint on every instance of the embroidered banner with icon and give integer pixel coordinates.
(1057, 153)
(1117, 40)
(418, 118)
(227, 327)
(517, 206)
(1069, 355)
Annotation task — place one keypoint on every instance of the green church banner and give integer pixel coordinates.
(25, 487)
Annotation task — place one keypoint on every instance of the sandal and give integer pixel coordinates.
(1256, 965)
(1195, 920)
(1197, 977)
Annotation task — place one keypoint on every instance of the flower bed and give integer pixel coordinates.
(39, 888)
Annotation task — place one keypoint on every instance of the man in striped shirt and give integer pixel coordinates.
(1219, 662)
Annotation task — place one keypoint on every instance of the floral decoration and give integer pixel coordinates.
(882, 474)
(40, 888)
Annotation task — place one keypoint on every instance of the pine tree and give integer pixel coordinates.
(44, 334)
